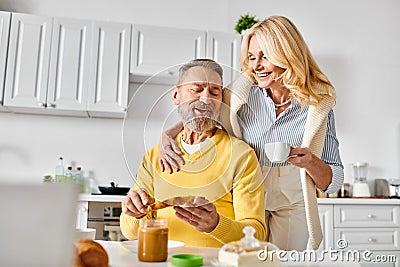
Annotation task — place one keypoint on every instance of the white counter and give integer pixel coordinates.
(350, 201)
(121, 256)
(359, 201)
(100, 198)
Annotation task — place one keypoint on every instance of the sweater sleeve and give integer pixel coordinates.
(129, 225)
(248, 204)
(234, 96)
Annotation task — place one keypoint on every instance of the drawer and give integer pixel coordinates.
(366, 216)
(369, 238)
(382, 259)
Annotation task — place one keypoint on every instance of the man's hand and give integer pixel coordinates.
(136, 202)
(202, 214)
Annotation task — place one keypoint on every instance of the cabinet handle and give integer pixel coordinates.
(52, 105)
(371, 240)
(371, 216)
(124, 109)
(42, 105)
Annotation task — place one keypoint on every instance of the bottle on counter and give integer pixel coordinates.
(68, 175)
(78, 179)
(345, 190)
(59, 176)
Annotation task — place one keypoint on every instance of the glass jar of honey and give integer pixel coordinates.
(153, 240)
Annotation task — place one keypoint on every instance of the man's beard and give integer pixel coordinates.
(197, 122)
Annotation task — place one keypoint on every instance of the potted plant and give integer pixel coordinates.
(245, 22)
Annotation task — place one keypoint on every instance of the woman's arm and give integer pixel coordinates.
(319, 171)
(326, 172)
(331, 155)
(170, 155)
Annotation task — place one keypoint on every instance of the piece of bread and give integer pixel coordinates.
(89, 253)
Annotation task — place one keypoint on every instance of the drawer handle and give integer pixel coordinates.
(371, 240)
(371, 216)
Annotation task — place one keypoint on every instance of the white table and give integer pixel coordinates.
(119, 256)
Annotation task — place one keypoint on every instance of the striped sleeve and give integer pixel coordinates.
(331, 156)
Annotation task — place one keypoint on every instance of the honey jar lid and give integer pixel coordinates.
(187, 260)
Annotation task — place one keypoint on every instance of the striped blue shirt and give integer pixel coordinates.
(259, 126)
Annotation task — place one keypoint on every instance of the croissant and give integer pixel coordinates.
(175, 201)
(89, 253)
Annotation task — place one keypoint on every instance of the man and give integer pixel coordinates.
(221, 171)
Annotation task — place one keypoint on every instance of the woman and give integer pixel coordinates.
(291, 101)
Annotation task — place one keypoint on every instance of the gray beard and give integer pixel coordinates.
(199, 124)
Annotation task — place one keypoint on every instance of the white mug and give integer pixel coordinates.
(277, 151)
(86, 233)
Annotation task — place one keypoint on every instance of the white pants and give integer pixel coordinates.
(284, 208)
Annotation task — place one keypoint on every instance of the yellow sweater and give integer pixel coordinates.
(226, 172)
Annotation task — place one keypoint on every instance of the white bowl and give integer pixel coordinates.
(86, 233)
(132, 245)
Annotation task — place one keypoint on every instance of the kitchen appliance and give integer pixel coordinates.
(104, 217)
(381, 187)
(360, 186)
(114, 189)
(394, 188)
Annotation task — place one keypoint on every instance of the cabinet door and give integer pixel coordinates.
(28, 61)
(109, 82)
(326, 218)
(69, 65)
(381, 259)
(224, 48)
(160, 50)
(82, 214)
(4, 32)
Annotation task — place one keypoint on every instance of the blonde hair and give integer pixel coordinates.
(283, 46)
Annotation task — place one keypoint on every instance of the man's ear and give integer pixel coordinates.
(175, 96)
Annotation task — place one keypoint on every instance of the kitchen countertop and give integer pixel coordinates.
(100, 198)
(120, 256)
(349, 201)
(359, 201)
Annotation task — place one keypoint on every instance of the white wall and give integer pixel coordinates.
(355, 42)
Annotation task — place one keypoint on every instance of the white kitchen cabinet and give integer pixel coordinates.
(158, 52)
(86, 72)
(326, 219)
(363, 224)
(4, 32)
(224, 48)
(28, 62)
(68, 86)
(109, 79)
(82, 214)
(47, 69)
(367, 215)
